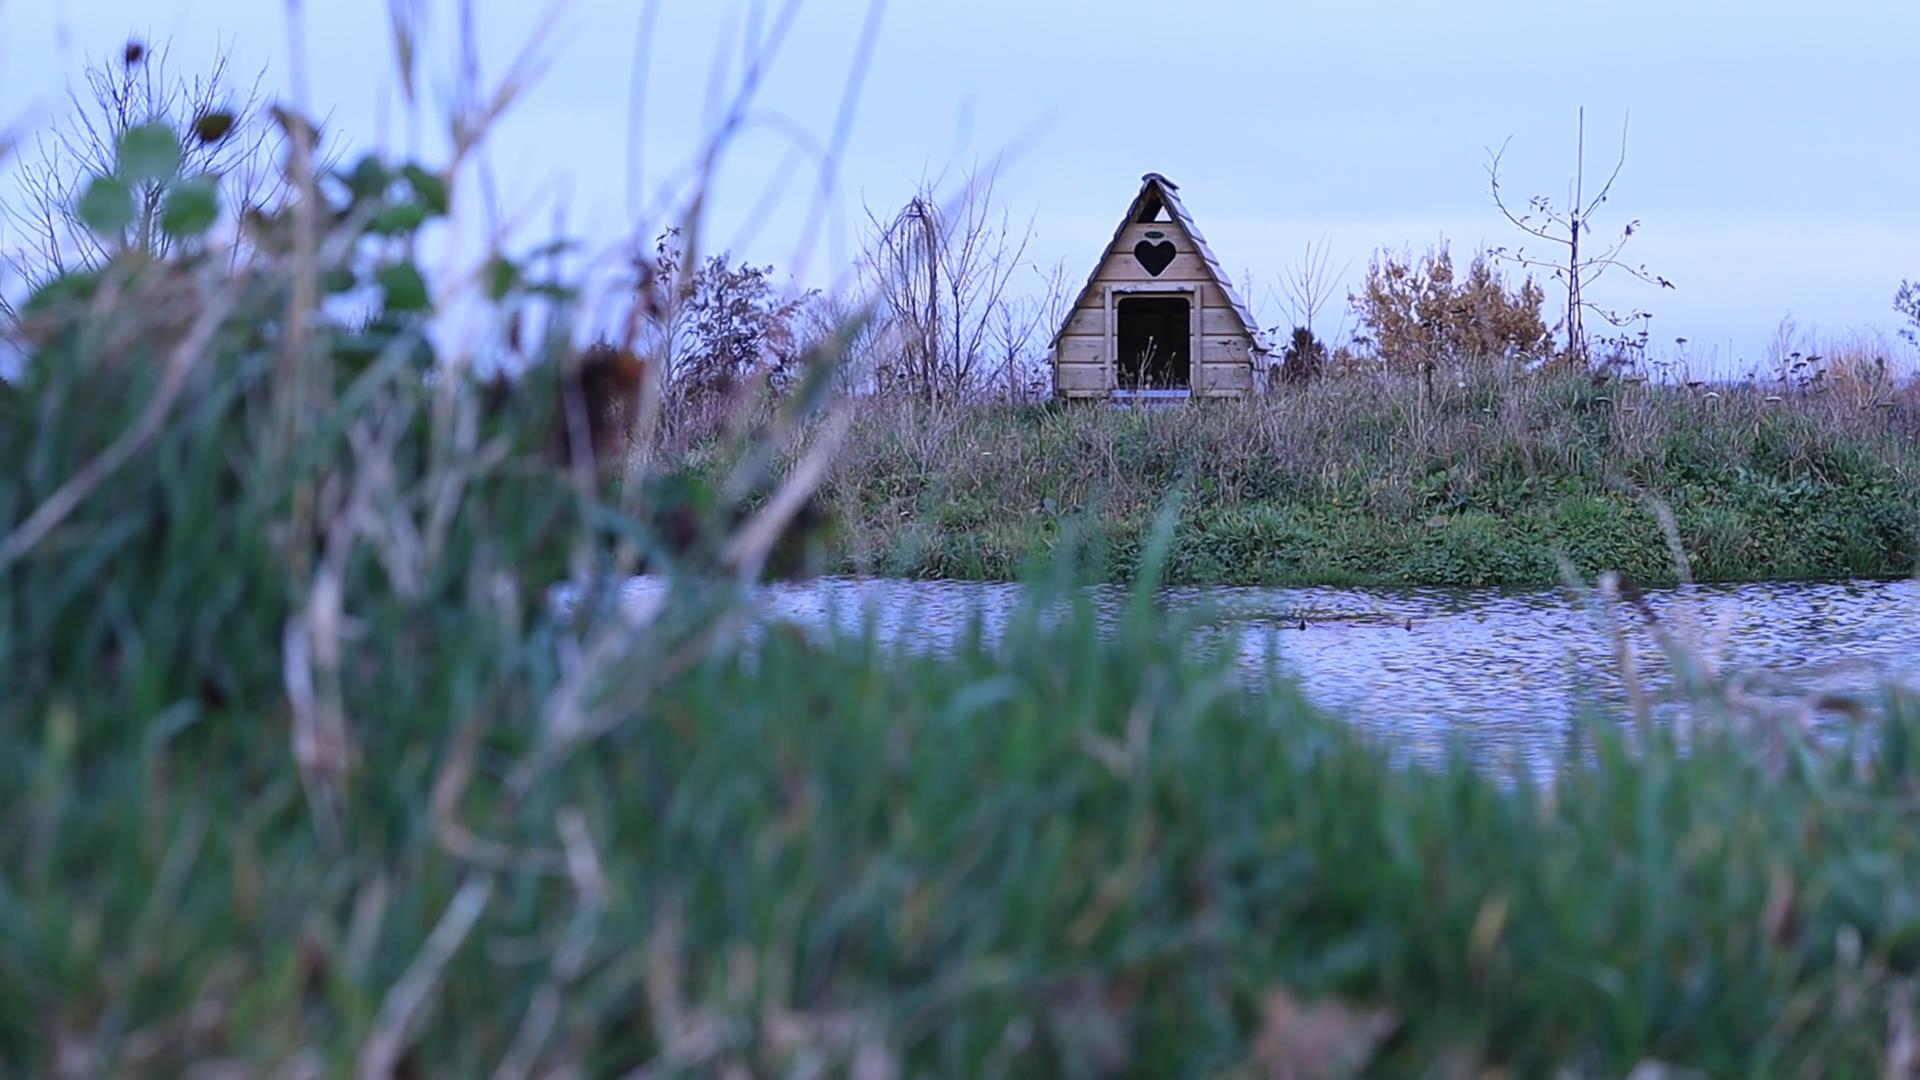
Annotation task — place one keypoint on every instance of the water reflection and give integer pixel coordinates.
(1500, 670)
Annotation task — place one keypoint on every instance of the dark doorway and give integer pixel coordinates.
(1156, 343)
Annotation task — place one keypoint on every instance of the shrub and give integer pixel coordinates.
(1304, 358)
(1413, 314)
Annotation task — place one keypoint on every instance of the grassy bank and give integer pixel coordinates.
(1367, 480)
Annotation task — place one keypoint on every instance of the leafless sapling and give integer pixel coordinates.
(941, 275)
(1581, 261)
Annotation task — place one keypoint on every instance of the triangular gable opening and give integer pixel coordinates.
(1153, 211)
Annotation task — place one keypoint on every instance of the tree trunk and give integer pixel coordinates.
(1576, 339)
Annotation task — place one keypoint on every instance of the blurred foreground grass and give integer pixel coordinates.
(298, 772)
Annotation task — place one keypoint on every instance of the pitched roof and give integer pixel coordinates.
(1155, 186)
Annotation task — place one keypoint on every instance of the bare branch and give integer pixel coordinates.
(1522, 223)
(1588, 210)
(1310, 283)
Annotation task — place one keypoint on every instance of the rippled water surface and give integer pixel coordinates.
(1503, 670)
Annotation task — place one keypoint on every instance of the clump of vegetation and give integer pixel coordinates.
(1413, 314)
(61, 221)
(1304, 357)
(722, 330)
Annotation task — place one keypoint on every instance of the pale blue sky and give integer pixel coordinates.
(1774, 157)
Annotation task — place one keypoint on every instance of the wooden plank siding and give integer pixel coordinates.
(1224, 351)
(1227, 378)
(1169, 232)
(1086, 378)
(1082, 349)
(1185, 269)
(1210, 294)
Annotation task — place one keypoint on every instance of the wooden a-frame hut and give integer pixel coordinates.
(1158, 318)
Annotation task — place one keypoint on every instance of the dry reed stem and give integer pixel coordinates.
(461, 842)
(1903, 1044)
(296, 381)
(588, 876)
(403, 1004)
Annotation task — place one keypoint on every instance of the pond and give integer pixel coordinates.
(1502, 670)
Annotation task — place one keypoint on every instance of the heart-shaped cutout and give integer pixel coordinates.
(1155, 257)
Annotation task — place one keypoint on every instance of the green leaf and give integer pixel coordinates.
(69, 288)
(502, 276)
(107, 206)
(213, 126)
(429, 189)
(395, 220)
(191, 209)
(368, 178)
(406, 289)
(338, 280)
(149, 152)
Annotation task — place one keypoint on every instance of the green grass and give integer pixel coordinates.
(1036, 856)
(1356, 481)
